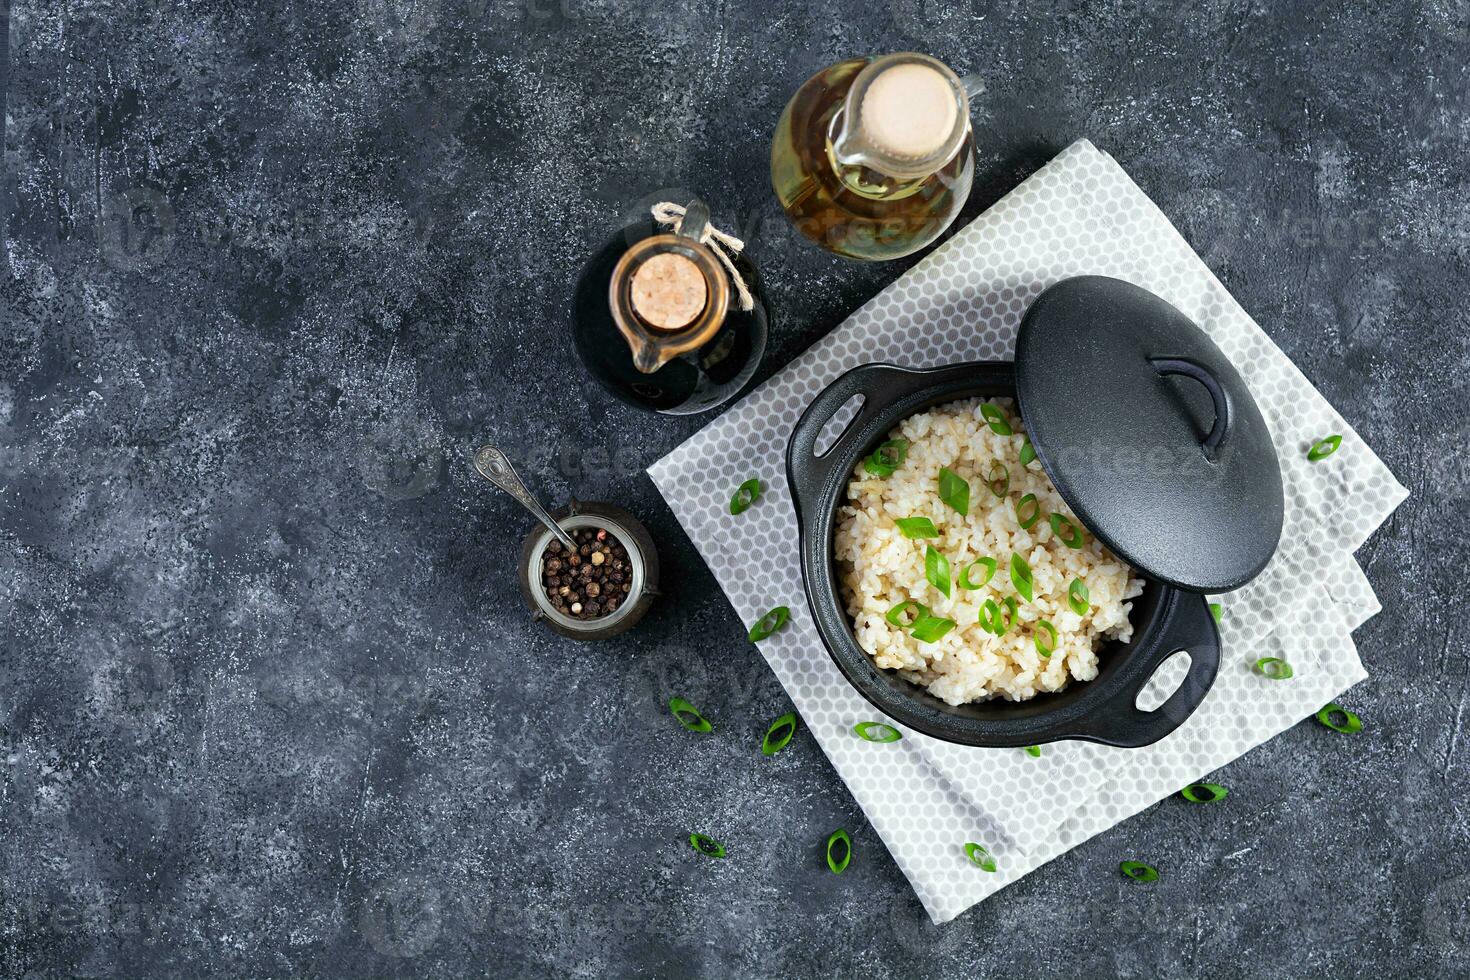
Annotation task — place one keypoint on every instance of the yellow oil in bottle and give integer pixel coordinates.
(857, 211)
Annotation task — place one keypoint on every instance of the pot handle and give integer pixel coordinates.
(880, 385)
(1191, 629)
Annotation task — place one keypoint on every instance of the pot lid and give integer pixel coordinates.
(1149, 434)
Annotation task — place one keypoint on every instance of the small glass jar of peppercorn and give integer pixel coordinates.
(602, 587)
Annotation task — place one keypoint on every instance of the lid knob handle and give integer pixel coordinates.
(1223, 413)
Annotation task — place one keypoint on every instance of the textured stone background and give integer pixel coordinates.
(268, 702)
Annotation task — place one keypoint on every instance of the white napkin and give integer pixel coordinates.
(1080, 214)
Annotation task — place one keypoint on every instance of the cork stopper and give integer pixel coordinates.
(909, 111)
(668, 291)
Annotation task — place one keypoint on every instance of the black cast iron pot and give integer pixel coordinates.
(1183, 389)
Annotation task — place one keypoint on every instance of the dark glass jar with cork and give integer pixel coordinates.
(668, 314)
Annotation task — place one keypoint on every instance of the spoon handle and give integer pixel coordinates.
(493, 466)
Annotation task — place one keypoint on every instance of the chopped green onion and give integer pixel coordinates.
(1028, 452)
(1204, 792)
(887, 457)
(1217, 610)
(1069, 534)
(896, 614)
(689, 715)
(953, 490)
(991, 619)
(1139, 871)
(980, 857)
(1078, 597)
(707, 846)
(748, 493)
(1034, 751)
(876, 731)
(778, 736)
(839, 844)
(1048, 647)
(1028, 511)
(930, 628)
(1351, 722)
(1274, 668)
(917, 527)
(769, 623)
(936, 569)
(999, 480)
(1323, 448)
(1021, 577)
(967, 581)
(997, 420)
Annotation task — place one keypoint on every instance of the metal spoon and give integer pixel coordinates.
(493, 466)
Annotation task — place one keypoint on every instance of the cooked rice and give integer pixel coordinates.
(879, 567)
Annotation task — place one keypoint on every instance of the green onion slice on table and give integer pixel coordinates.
(1034, 751)
(707, 846)
(1275, 668)
(917, 527)
(748, 493)
(1067, 532)
(1350, 722)
(930, 628)
(839, 851)
(1139, 871)
(980, 857)
(1045, 638)
(1323, 448)
(936, 569)
(954, 490)
(1028, 511)
(689, 715)
(996, 419)
(999, 480)
(1028, 452)
(967, 579)
(900, 610)
(1217, 610)
(1021, 577)
(778, 736)
(1204, 792)
(876, 731)
(769, 623)
(887, 457)
(1078, 598)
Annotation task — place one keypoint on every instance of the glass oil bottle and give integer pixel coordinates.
(873, 158)
(670, 320)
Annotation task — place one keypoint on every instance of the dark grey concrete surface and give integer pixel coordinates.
(269, 705)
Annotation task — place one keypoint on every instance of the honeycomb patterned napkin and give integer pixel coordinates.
(1080, 214)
